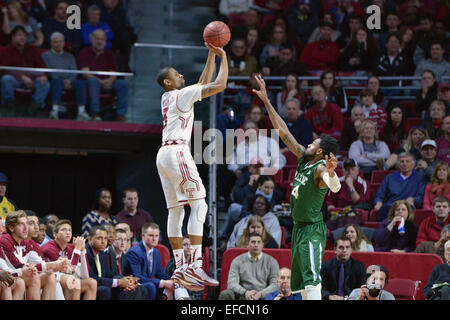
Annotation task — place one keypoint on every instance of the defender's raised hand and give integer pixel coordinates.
(262, 93)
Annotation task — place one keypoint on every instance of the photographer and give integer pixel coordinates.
(377, 278)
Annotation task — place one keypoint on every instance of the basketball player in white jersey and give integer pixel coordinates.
(180, 179)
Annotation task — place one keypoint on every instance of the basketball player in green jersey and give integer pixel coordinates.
(315, 174)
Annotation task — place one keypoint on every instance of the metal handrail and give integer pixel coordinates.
(168, 46)
(277, 78)
(50, 70)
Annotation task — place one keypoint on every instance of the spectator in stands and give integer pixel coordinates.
(372, 110)
(130, 235)
(436, 63)
(100, 212)
(248, 176)
(58, 23)
(272, 47)
(394, 133)
(330, 18)
(227, 120)
(439, 186)
(61, 247)
(431, 227)
(170, 266)
(50, 221)
(354, 192)
(393, 27)
(368, 149)
(443, 142)
(17, 17)
(325, 117)
(408, 41)
(374, 84)
(97, 58)
(300, 127)
(35, 9)
(348, 27)
(57, 58)
(131, 214)
(256, 114)
(250, 19)
(284, 291)
(254, 42)
(292, 89)
(335, 94)
(428, 161)
(427, 94)
(114, 15)
(117, 250)
(259, 147)
(359, 54)
(439, 276)
(283, 63)
(341, 274)
(392, 63)
(6, 205)
(21, 54)
(404, 184)
(322, 54)
(413, 145)
(258, 206)
(444, 96)
(435, 247)
(144, 262)
(253, 274)
(108, 286)
(436, 117)
(301, 19)
(234, 10)
(256, 224)
(93, 23)
(429, 32)
(377, 276)
(351, 131)
(358, 239)
(389, 237)
(239, 63)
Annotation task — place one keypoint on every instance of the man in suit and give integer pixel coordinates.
(341, 274)
(109, 286)
(144, 262)
(117, 252)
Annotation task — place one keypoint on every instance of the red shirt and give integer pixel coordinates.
(443, 146)
(17, 255)
(329, 121)
(51, 251)
(429, 230)
(136, 222)
(343, 198)
(320, 55)
(105, 61)
(29, 57)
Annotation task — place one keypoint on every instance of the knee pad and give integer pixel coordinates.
(199, 208)
(175, 222)
(314, 292)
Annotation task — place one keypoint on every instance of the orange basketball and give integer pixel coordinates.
(217, 33)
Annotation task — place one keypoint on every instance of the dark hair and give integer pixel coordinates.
(426, 16)
(59, 223)
(253, 234)
(355, 16)
(389, 127)
(131, 189)
(342, 238)
(17, 29)
(162, 75)
(264, 178)
(328, 144)
(41, 221)
(149, 225)
(382, 269)
(46, 217)
(30, 213)
(252, 202)
(94, 229)
(395, 36)
(97, 194)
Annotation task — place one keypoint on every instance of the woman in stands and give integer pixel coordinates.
(368, 149)
(373, 83)
(277, 37)
(408, 41)
(389, 238)
(292, 88)
(439, 186)
(335, 94)
(394, 133)
(14, 15)
(254, 44)
(412, 145)
(256, 224)
(427, 94)
(256, 113)
(433, 125)
(100, 213)
(357, 238)
(358, 54)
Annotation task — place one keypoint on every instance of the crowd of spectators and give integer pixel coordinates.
(38, 34)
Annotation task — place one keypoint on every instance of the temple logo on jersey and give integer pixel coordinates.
(18, 253)
(301, 178)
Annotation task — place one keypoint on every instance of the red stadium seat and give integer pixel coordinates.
(291, 159)
(412, 122)
(278, 177)
(373, 215)
(378, 175)
(403, 289)
(420, 215)
(372, 224)
(373, 188)
(410, 108)
(165, 254)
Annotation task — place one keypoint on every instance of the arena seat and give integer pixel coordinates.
(413, 266)
(410, 107)
(403, 289)
(165, 254)
(373, 215)
(373, 188)
(379, 175)
(372, 224)
(368, 232)
(420, 215)
(412, 122)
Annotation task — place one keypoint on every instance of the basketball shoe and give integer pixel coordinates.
(193, 277)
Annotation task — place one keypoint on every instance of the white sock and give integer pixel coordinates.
(81, 109)
(196, 251)
(178, 255)
(55, 107)
(314, 292)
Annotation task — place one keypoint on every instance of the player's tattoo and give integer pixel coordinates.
(210, 89)
(292, 144)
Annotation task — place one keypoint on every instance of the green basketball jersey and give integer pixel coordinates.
(306, 198)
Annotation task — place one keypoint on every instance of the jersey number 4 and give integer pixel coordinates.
(295, 192)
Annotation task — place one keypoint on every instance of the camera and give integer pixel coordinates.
(374, 289)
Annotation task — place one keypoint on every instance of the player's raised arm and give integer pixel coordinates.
(277, 121)
(327, 175)
(220, 83)
(207, 73)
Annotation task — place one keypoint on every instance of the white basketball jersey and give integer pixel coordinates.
(177, 108)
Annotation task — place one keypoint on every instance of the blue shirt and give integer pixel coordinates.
(294, 296)
(87, 29)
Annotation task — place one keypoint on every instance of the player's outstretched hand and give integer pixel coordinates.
(262, 93)
(331, 163)
(216, 50)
